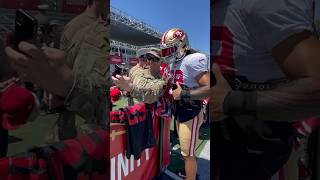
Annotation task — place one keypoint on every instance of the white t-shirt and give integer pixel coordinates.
(246, 31)
(186, 70)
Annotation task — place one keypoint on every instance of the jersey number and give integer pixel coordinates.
(178, 76)
(225, 58)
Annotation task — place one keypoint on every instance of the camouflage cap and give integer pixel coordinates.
(155, 52)
(142, 51)
(43, 7)
(55, 22)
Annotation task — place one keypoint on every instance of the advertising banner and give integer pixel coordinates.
(122, 168)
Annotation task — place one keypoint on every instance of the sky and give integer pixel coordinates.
(193, 16)
(317, 9)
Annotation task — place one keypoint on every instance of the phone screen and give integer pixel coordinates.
(25, 26)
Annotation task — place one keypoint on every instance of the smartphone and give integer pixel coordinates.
(25, 26)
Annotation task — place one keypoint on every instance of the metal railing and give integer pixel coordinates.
(114, 43)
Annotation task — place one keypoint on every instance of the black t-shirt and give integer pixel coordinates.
(139, 130)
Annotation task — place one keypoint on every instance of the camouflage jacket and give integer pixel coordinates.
(74, 26)
(91, 69)
(146, 87)
(87, 55)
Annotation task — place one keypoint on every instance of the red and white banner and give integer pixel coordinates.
(23, 4)
(133, 61)
(115, 59)
(146, 167)
(74, 6)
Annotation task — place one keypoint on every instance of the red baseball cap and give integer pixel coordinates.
(17, 106)
(115, 94)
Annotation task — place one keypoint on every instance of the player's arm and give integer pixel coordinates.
(197, 66)
(203, 91)
(298, 56)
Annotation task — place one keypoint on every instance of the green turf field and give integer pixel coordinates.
(31, 134)
(34, 133)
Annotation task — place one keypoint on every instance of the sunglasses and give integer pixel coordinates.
(149, 58)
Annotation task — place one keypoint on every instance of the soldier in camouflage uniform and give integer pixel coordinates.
(78, 76)
(145, 81)
(89, 16)
(87, 53)
(142, 65)
(71, 41)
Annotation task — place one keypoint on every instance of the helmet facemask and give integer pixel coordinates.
(181, 51)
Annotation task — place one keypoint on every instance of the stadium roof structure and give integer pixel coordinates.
(129, 32)
(126, 31)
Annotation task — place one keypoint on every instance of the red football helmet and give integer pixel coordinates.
(174, 43)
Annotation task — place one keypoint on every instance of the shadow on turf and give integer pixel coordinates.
(176, 159)
(13, 139)
(203, 166)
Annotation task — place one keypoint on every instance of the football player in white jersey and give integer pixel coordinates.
(189, 72)
(267, 71)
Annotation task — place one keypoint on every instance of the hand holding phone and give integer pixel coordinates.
(25, 27)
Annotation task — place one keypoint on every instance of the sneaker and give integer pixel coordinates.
(176, 147)
(182, 174)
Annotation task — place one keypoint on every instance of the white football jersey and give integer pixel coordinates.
(186, 70)
(245, 32)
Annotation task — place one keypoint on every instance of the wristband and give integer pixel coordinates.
(185, 95)
(240, 103)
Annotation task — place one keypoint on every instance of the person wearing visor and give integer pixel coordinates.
(76, 74)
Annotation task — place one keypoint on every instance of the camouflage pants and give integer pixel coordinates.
(68, 126)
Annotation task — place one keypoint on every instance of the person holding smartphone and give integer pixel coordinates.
(18, 105)
(77, 76)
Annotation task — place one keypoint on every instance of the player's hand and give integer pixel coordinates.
(122, 82)
(218, 94)
(177, 92)
(45, 67)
